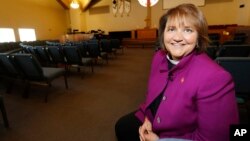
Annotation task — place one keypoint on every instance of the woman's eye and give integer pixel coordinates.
(170, 29)
(188, 30)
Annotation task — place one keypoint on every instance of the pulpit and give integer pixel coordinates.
(147, 33)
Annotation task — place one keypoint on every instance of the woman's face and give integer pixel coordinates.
(180, 39)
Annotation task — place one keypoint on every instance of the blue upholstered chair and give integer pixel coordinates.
(234, 51)
(73, 57)
(4, 114)
(34, 72)
(239, 68)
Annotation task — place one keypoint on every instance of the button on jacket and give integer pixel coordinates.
(198, 103)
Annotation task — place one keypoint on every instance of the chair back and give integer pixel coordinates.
(212, 51)
(233, 42)
(115, 43)
(56, 54)
(105, 45)
(234, 51)
(31, 49)
(42, 55)
(94, 50)
(93, 41)
(24, 47)
(84, 50)
(29, 65)
(239, 67)
(7, 66)
(72, 55)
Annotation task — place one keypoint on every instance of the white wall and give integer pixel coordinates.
(75, 19)
(135, 20)
(216, 11)
(47, 17)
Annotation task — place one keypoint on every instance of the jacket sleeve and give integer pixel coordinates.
(217, 108)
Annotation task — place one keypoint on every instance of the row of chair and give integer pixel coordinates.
(239, 68)
(229, 51)
(42, 63)
(39, 64)
(55, 52)
(238, 38)
(26, 68)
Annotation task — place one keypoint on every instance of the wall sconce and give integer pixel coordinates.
(144, 2)
(74, 4)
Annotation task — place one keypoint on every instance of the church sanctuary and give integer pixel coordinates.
(69, 69)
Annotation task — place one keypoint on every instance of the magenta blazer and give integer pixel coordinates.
(199, 102)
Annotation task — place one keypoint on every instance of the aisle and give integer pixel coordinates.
(87, 111)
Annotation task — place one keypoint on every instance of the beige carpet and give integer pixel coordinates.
(88, 110)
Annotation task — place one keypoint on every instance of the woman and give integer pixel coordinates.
(189, 96)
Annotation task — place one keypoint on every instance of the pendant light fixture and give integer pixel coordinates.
(74, 4)
(144, 2)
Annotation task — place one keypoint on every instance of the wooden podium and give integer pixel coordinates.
(150, 33)
(142, 38)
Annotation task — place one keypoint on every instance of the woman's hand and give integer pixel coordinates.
(146, 133)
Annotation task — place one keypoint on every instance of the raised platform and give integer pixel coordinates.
(139, 42)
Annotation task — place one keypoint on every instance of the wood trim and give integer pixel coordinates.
(63, 4)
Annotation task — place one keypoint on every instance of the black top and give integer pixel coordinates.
(155, 104)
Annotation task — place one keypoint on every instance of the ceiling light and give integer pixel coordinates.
(74, 4)
(144, 2)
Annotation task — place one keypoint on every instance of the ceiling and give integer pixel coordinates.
(84, 4)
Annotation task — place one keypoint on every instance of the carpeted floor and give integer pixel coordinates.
(88, 110)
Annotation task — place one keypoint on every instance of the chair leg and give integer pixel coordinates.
(46, 98)
(107, 59)
(26, 90)
(9, 87)
(2, 108)
(47, 94)
(66, 80)
(92, 66)
(122, 50)
(67, 70)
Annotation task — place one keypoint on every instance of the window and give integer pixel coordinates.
(7, 35)
(27, 34)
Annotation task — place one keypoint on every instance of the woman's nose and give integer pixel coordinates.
(178, 37)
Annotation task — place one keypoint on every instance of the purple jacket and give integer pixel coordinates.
(199, 102)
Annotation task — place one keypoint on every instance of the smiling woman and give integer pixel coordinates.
(183, 78)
